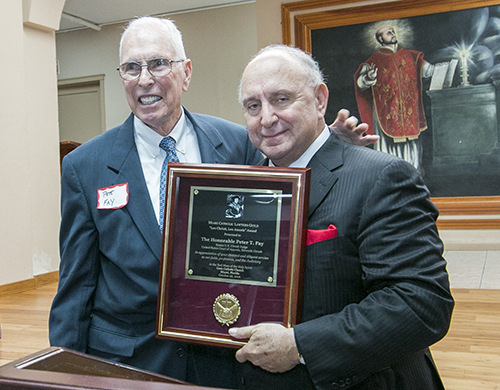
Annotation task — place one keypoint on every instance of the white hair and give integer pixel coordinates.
(166, 26)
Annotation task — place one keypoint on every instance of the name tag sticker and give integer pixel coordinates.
(114, 197)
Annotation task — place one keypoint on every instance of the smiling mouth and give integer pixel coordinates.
(274, 139)
(275, 134)
(149, 99)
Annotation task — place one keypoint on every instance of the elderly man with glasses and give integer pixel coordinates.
(110, 238)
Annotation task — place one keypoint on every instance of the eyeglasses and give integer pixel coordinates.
(157, 67)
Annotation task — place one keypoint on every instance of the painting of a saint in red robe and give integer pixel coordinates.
(428, 85)
(388, 89)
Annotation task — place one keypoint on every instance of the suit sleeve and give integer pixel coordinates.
(253, 156)
(406, 305)
(70, 312)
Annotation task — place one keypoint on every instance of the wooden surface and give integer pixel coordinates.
(23, 320)
(467, 358)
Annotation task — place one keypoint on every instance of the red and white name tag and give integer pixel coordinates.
(114, 197)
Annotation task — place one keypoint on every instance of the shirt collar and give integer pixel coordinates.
(303, 160)
(151, 139)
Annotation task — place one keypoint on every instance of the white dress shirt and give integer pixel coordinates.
(303, 160)
(151, 155)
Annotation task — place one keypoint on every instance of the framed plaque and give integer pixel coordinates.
(233, 248)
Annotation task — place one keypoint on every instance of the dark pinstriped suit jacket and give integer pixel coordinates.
(376, 296)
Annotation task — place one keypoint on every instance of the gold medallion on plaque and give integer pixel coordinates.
(226, 309)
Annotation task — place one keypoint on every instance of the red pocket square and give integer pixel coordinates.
(314, 236)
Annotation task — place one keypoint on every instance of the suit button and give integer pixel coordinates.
(335, 385)
(348, 381)
(355, 378)
(242, 380)
(180, 352)
(341, 384)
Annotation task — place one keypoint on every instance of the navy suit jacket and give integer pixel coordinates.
(376, 296)
(108, 282)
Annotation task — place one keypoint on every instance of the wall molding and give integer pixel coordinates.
(29, 284)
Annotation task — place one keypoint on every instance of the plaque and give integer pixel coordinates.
(233, 249)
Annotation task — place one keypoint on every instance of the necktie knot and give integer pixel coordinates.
(168, 145)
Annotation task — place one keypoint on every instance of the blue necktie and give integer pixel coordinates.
(168, 145)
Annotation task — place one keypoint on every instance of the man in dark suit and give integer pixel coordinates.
(377, 295)
(110, 238)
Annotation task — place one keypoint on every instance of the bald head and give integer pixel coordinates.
(284, 101)
(310, 67)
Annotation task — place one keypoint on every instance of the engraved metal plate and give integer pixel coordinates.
(233, 235)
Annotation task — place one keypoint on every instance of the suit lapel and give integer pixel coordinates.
(209, 141)
(124, 161)
(328, 158)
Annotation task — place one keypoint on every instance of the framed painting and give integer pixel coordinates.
(426, 76)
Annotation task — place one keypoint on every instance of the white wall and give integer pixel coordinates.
(15, 243)
(29, 174)
(43, 147)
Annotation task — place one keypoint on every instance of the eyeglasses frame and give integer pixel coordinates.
(170, 62)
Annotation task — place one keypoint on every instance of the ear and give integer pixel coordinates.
(188, 70)
(322, 98)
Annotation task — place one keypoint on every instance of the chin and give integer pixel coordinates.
(148, 118)
(275, 157)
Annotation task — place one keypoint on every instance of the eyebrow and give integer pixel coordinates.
(284, 92)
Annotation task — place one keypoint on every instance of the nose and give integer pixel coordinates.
(145, 77)
(267, 115)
